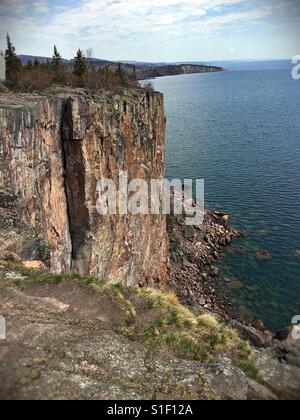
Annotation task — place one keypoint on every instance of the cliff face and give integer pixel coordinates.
(175, 70)
(54, 149)
(31, 166)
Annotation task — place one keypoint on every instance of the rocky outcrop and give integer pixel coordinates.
(78, 337)
(194, 252)
(3, 88)
(32, 168)
(70, 341)
(54, 149)
(175, 70)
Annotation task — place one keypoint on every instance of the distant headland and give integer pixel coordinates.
(143, 70)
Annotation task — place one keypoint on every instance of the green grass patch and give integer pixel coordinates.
(188, 334)
(249, 368)
(157, 319)
(32, 276)
(119, 298)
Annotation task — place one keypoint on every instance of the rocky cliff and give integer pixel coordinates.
(175, 70)
(53, 150)
(76, 336)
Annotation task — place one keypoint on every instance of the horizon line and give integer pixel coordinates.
(173, 61)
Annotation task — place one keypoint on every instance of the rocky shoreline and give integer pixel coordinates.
(194, 252)
(194, 275)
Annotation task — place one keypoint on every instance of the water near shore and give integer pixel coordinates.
(240, 131)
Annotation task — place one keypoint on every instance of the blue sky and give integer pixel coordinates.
(155, 30)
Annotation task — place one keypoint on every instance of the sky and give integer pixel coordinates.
(154, 30)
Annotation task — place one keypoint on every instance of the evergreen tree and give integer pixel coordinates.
(48, 65)
(13, 64)
(80, 64)
(36, 63)
(121, 74)
(134, 74)
(56, 59)
(29, 65)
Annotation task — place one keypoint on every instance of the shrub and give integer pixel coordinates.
(148, 87)
(39, 77)
(36, 78)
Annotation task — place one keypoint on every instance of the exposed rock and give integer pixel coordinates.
(288, 348)
(232, 384)
(19, 240)
(3, 89)
(64, 342)
(283, 335)
(173, 70)
(53, 151)
(31, 166)
(257, 338)
(281, 378)
(259, 325)
(199, 284)
(34, 265)
(221, 218)
(102, 137)
(263, 255)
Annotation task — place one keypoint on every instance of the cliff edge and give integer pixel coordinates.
(76, 328)
(53, 151)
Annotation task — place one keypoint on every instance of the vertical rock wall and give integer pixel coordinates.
(31, 166)
(54, 149)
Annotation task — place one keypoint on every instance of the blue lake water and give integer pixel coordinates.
(240, 131)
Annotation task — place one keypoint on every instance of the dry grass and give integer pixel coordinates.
(200, 337)
(157, 319)
(43, 77)
(170, 302)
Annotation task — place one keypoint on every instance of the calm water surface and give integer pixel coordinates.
(240, 131)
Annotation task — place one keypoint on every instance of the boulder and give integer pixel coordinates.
(263, 255)
(279, 376)
(3, 88)
(34, 265)
(221, 218)
(257, 338)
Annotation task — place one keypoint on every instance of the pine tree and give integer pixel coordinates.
(29, 65)
(56, 59)
(121, 74)
(134, 74)
(13, 64)
(80, 64)
(36, 63)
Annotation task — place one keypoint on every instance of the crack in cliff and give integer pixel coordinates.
(64, 159)
(74, 180)
(74, 139)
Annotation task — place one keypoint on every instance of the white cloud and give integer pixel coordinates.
(106, 24)
(13, 6)
(41, 6)
(122, 18)
(21, 6)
